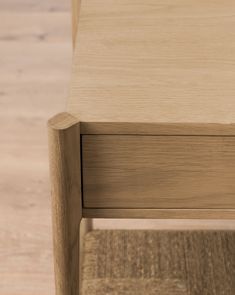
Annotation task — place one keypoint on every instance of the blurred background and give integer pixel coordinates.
(35, 62)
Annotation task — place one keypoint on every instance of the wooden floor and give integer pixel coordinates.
(35, 60)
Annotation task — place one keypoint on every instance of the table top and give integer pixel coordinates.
(165, 61)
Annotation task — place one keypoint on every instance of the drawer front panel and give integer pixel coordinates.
(125, 171)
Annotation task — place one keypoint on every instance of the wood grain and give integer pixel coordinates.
(222, 214)
(35, 63)
(32, 5)
(157, 224)
(75, 15)
(34, 80)
(154, 62)
(64, 143)
(124, 128)
(35, 26)
(158, 172)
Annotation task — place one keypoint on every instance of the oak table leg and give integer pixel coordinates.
(64, 153)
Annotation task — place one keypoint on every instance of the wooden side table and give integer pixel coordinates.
(149, 130)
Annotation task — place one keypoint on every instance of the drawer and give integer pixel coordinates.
(131, 171)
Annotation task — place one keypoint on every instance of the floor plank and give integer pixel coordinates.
(35, 47)
(35, 26)
(34, 5)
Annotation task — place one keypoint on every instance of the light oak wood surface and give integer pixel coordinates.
(158, 171)
(35, 47)
(65, 168)
(160, 68)
(75, 17)
(127, 128)
(189, 214)
(33, 5)
(154, 61)
(35, 42)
